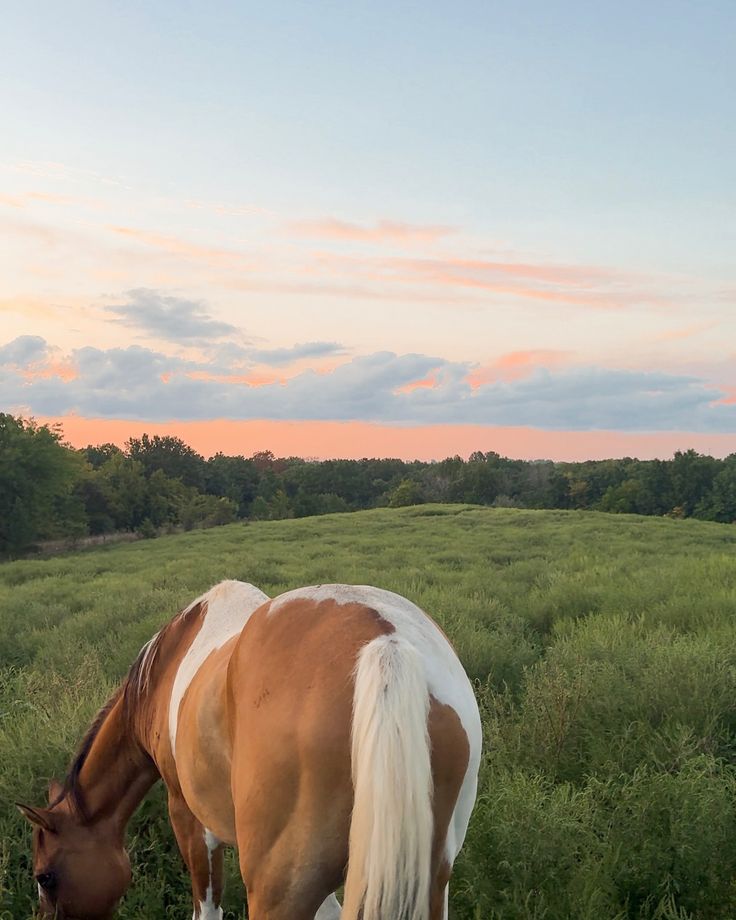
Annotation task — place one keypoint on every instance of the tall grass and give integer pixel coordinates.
(604, 655)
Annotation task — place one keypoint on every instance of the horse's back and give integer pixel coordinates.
(312, 636)
(446, 677)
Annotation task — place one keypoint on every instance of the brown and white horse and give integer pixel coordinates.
(331, 727)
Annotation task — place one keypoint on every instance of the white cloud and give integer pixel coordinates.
(24, 351)
(276, 357)
(140, 383)
(169, 318)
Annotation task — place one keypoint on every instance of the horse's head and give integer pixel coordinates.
(82, 869)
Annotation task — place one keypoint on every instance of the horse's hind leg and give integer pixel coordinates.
(438, 896)
(276, 899)
(203, 855)
(449, 766)
(295, 875)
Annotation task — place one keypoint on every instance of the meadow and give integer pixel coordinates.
(602, 648)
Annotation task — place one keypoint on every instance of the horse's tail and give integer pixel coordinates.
(392, 824)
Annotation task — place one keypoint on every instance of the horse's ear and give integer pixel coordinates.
(38, 816)
(56, 790)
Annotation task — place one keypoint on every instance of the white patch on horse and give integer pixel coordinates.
(329, 910)
(446, 678)
(147, 656)
(208, 910)
(229, 606)
(212, 843)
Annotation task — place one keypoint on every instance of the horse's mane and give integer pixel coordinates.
(135, 685)
(70, 786)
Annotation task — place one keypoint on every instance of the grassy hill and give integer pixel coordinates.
(604, 651)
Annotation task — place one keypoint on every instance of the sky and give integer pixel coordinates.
(372, 228)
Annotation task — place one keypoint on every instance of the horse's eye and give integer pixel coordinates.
(47, 880)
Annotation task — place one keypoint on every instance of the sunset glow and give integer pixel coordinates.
(402, 239)
(355, 440)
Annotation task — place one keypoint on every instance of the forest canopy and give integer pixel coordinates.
(50, 490)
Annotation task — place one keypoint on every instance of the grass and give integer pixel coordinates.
(603, 649)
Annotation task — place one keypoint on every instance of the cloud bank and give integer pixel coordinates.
(410, 389)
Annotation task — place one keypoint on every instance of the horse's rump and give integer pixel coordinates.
(292, 698)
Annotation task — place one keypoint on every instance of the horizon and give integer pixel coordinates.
(373, 230)
(309, 441)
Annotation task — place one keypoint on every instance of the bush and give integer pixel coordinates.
(614, 695)
(147, 530)
(671, 839)
(533, 851)
(407, 492)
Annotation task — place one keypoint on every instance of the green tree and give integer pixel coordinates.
(169, 454)
(259, 509)
(480, 481)
(92, 493)
(279, 506)
(720, 505)
(198, 510)
(98, 454)
(407, 492)
(623, 499)
(306, 503)
(124, 486)
(235, 478)
(165, 497)
(656, 495)
(692, 476)
(37, 478)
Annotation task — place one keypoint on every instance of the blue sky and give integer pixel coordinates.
(466, 182)
(537, 114)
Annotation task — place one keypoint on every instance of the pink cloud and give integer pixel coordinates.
(426, 383)
(688, 332)
(12, 201)
(589, 286)
(576, 285)
(516, 365)
(39, 233)
(730, 398)
(61, 368)
(176, 246)
(286, 269)
(26, 198)
(578, 275)
(384, 231)
(250, 379)
(350, 291)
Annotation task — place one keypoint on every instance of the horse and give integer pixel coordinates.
(330, 733)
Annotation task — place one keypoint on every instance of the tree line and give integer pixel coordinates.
(49, 490)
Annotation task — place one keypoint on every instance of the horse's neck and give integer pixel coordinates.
(117, 772)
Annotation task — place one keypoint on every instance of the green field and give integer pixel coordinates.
(604, 653)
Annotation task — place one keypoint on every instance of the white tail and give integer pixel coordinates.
(389, 868)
